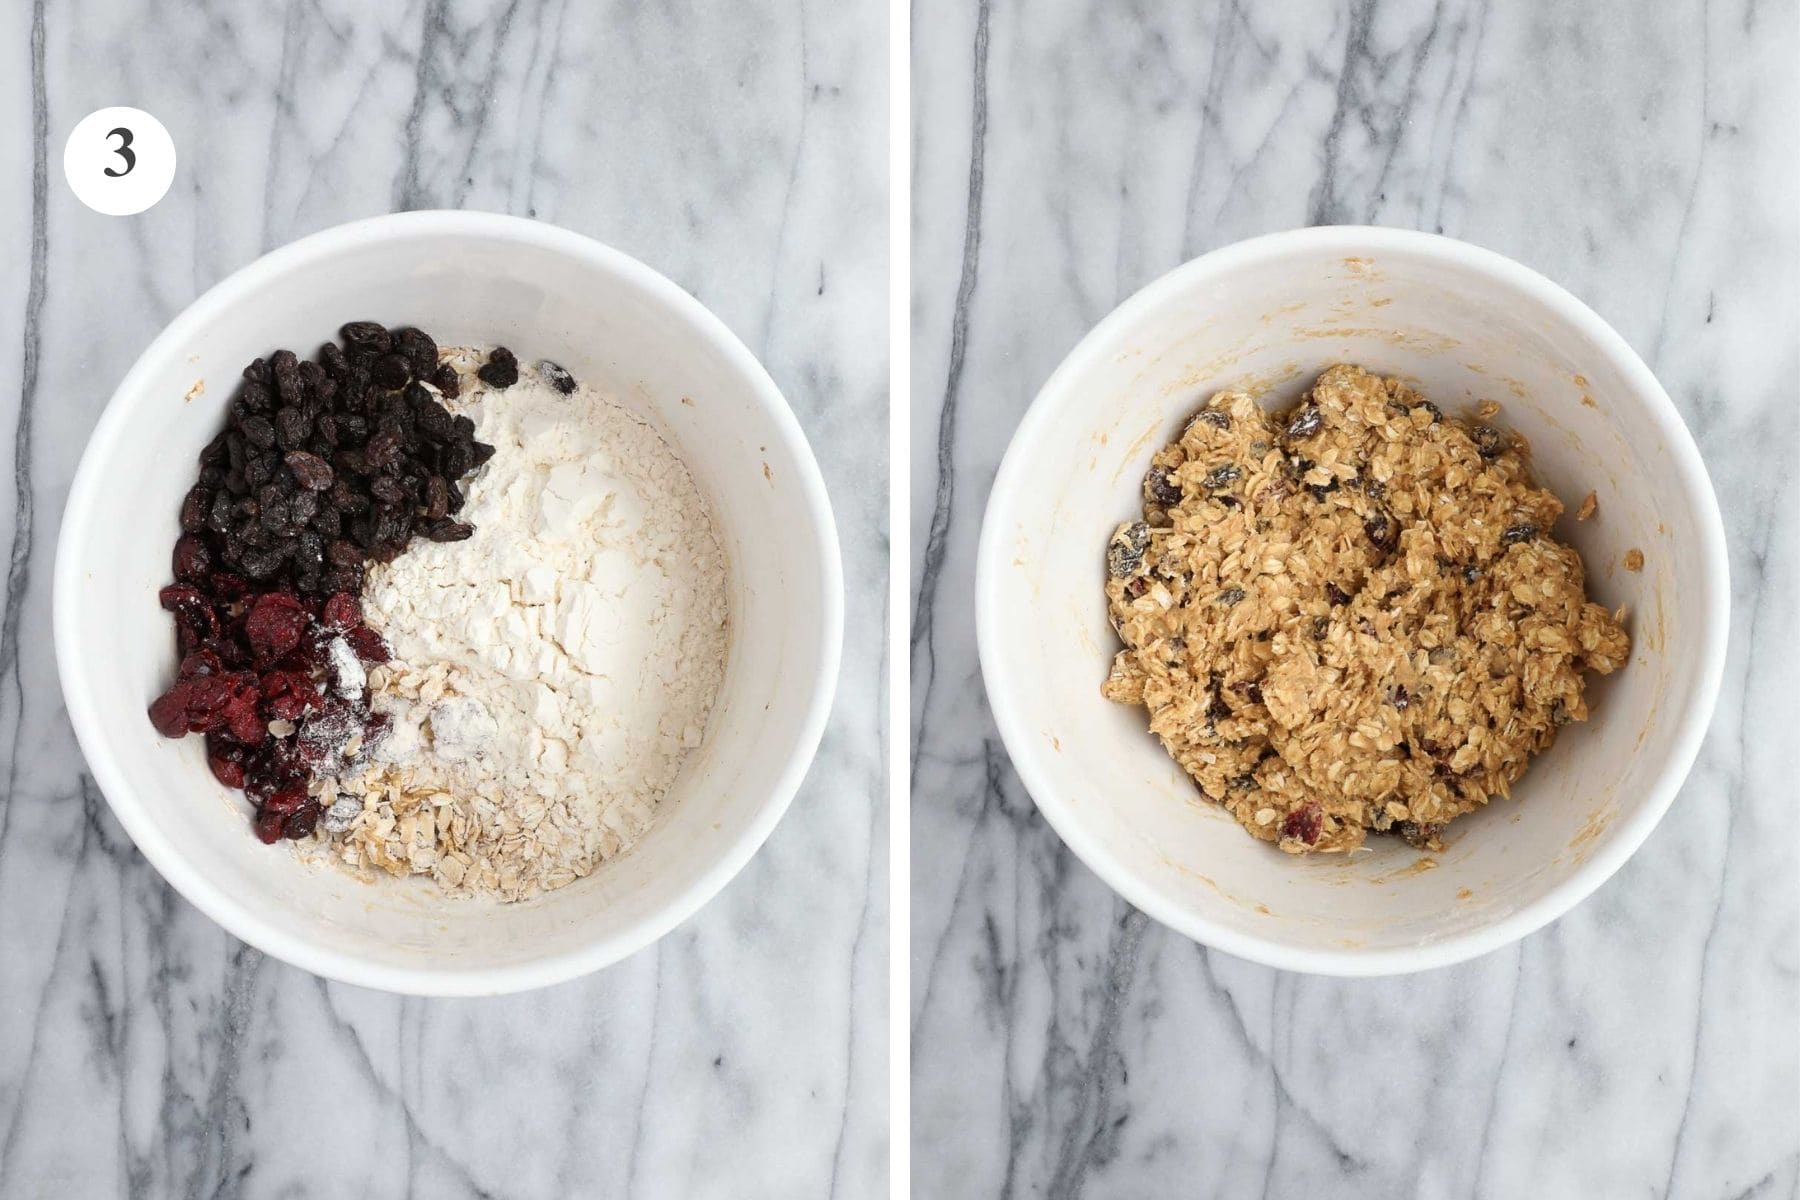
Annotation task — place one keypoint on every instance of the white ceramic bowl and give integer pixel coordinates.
(547, 293)
(1465, 325)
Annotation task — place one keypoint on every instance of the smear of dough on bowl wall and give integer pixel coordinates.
(1274, 334)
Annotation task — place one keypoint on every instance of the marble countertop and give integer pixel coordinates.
(1644, 1045)
(143, 1052)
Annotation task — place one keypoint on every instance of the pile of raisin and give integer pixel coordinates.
(323, 466)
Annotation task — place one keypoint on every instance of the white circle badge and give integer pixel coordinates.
(119, 161)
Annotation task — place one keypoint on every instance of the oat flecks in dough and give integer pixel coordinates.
(1351, 615)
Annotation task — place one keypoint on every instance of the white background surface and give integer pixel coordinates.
(1642, 156)
(145, 1053)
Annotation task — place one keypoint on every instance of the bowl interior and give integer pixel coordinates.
(546, 295)
(1272, 319)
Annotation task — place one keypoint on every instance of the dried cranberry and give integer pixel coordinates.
(368, 644)
(207, 696)
(375, 730)
(226, 761)
(181, 599)
(275, 624)
(227, 586)
(168, 712)
(241, 717)
(190, 636)
(1304, 823)
(192, 560)
(194, 508)
(343, 611)
(286, 695)
(277, 764)
(286, 800)
(302, 823)
(305, 658)
(201, 662)
(268, 826)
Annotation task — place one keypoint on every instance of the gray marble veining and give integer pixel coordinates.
(740, 150)
(1648, 1044)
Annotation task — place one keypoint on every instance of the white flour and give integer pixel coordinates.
(552, 672)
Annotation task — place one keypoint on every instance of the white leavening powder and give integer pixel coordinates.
(551, 672)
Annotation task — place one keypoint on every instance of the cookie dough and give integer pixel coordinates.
(1350, 615)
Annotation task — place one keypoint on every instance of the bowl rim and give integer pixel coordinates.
(1628, 833)
(243, 920)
